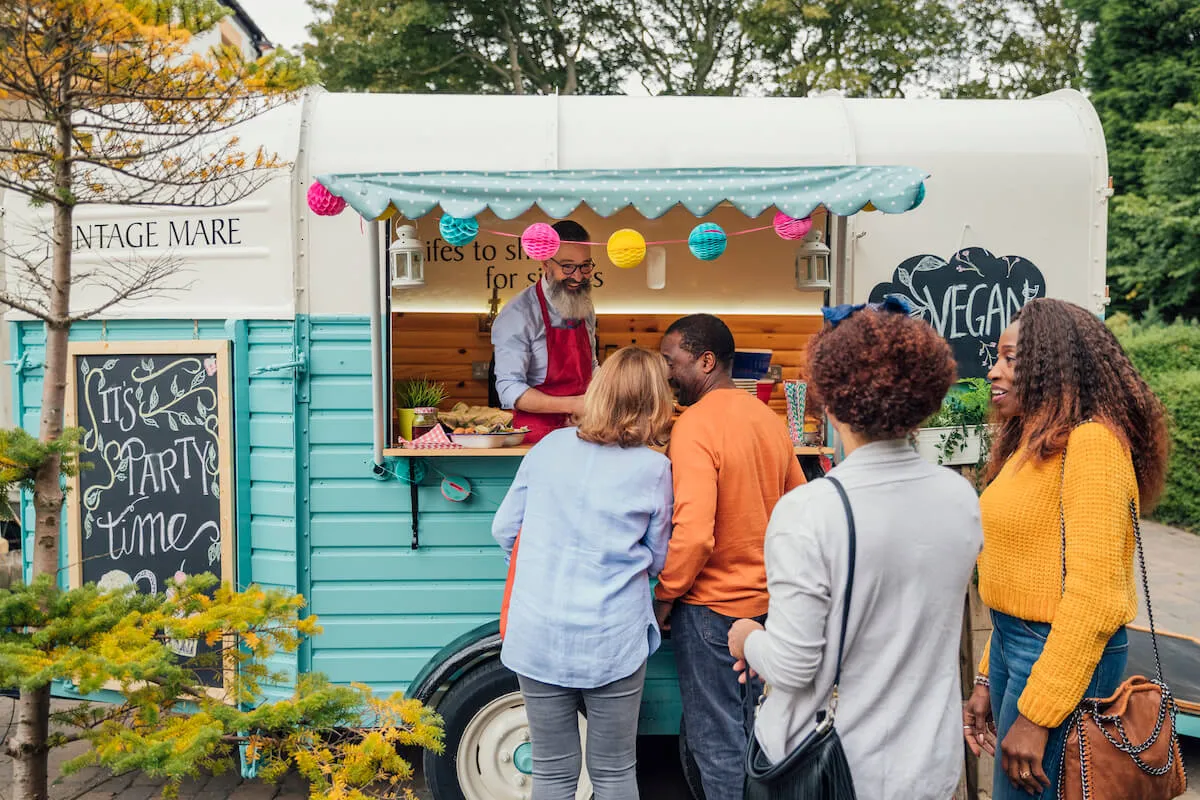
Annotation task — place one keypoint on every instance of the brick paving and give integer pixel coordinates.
(1172, 558)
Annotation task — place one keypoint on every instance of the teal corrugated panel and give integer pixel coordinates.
(342, 394)
(468, 529)
(339, 427)
(271, 431)
(369, 496)
(271, 397)
(273, 464)
(424, 597)
(276, 499)
(371, 666)
(370, 564)
(273, 533)
(343, 358)
(367, 631)
(274, 567)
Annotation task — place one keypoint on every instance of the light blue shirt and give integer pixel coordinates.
(519, 342)
(594, 523)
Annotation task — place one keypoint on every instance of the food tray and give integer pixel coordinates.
(488, 441)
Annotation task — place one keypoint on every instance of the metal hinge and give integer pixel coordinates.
(300, 365)
(23, 363)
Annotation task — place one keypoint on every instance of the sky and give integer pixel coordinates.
(283, 21)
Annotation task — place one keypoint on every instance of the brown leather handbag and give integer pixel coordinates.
(1123, 747)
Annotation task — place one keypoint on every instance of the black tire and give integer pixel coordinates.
(687, 762)
(462, 701)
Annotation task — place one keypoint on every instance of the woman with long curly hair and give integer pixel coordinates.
(1081, 437)
(878, 373)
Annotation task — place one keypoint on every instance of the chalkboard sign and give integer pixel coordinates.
(156, 499)
(969, 299)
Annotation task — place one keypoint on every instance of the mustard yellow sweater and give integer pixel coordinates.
(1020, 568)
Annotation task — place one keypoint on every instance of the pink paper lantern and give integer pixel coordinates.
(791, 228)
(324, 203)
(540, 241)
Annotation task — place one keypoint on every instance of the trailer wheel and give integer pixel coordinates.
(687, 762)
(487, 754)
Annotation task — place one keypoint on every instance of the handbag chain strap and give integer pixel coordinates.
(825, 718)
(853, 547)
(1090, 707)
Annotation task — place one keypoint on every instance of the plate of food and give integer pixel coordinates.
(488, 437)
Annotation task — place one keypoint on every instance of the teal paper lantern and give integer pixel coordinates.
(707, 241)
(458, 231)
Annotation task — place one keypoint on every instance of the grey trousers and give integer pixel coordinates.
(612, 721)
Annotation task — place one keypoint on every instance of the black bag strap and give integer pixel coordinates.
(841, 490)
(1141, 557)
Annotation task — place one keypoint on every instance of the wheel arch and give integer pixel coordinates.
(455, 658)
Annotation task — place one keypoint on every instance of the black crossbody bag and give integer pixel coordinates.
(817, 768)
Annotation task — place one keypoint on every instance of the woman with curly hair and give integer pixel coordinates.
(1081, 437)
(878, 373)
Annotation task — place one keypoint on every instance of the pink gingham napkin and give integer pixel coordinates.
(435, 439)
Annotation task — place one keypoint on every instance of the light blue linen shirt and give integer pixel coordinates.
(594, 523)
(519, 343)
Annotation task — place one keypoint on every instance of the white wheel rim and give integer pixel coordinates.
(485, 759)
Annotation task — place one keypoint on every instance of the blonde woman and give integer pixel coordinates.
(593, 507)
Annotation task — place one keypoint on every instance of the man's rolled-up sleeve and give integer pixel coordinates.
(513, 352)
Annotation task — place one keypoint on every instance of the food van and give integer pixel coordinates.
(299, 322)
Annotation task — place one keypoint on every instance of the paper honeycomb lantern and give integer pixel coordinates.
(791, 228)
(458, 231)
(323, 202)
(626, 248)
(540, 241)
(707, 241)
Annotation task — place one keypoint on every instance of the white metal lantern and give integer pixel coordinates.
(408, 258)
(812, 262)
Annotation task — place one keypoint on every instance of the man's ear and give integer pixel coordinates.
(708, 362)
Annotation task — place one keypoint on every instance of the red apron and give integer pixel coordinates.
(568, 372)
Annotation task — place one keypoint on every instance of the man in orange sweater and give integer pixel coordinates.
(732, 460)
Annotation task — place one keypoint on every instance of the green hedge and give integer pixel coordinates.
(1180, 392)
(1168, 356)
(1162, 348)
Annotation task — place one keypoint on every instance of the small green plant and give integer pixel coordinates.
(419, 393)
(965, 410)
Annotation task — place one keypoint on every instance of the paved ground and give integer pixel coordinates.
(1172, 557)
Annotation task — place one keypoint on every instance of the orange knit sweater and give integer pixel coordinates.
(731, 459)
(1020, 568)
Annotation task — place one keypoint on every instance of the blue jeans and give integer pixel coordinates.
(718, 712)
(1016, 645)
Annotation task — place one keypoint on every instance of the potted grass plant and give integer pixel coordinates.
(417, 399)
(958, 434)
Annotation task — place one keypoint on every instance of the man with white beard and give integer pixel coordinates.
(544, 339)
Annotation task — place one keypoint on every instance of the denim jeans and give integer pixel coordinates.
(718, 712)
(612, 723)
(1016, 645)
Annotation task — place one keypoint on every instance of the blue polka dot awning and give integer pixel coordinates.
(796, 191)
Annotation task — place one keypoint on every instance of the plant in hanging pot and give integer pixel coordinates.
(417, 400)
(958, 434)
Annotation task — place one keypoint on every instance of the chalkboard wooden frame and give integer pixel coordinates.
(220, 349)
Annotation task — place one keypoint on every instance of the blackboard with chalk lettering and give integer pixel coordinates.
(154, 499)
(970, 299)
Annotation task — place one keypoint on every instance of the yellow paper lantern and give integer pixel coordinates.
(626, 248)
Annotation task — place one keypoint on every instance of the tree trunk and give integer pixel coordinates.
(28, 746)
(47, 490)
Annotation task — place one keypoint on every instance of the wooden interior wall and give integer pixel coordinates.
(442, 346)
